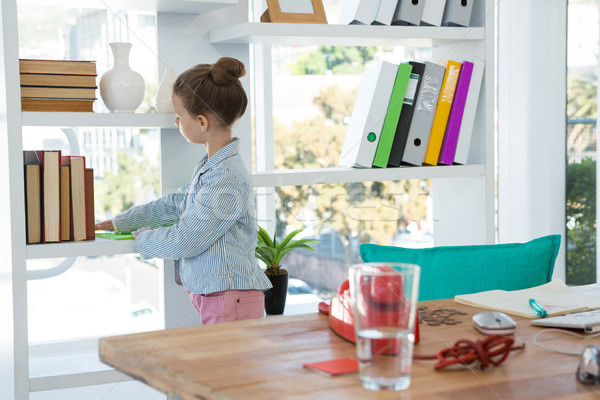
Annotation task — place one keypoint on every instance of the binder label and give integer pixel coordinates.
(411, 89)
(429, 95)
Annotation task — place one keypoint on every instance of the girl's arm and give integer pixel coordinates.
(156, 213)
(163, 211)
(217, 206)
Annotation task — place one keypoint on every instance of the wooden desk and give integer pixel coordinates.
(262, 359)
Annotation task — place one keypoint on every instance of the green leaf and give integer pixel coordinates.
(263, 236)
(282, 254)
(266, 254)
(287, 239)
(261, 258)
(271, 252)
(283, 245)
(305, 246)
(300, 242)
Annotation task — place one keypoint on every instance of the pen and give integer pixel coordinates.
(539, 310)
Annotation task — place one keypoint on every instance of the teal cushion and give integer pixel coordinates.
(450, 270)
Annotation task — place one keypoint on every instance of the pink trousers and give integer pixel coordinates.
(230, 305)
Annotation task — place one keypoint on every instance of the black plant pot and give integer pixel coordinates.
(275, 297)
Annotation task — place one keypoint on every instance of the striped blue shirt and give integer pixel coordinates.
(213, 232)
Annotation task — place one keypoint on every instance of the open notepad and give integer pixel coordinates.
(114, 236)
(555, 296)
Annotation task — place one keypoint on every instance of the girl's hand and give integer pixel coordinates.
(137, 232)
(105, 226)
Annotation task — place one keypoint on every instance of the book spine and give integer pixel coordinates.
(420, 126)
(65, 200)
(404, 121)
(51, 194)
(388, 131)
(442, 112)
(408, 12)
(78, 217)
(61, 67)
(57, 92)
(456, 114)
(368, 115)
(89, 204)
(468, 120)
(33, 208)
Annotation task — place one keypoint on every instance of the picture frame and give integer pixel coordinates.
(295, 11)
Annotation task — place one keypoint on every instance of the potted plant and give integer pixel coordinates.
(271, 252)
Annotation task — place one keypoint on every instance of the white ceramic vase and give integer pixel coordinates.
(121, 88)
(162, 100)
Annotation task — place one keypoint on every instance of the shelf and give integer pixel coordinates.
(347, 175)
(70, 119)
(340, 35)
(98, 247)
(174, 6)
(276, 178)
(70, 381)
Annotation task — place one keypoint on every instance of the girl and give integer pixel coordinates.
(213, 232)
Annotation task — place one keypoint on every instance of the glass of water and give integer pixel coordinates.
(384, 302)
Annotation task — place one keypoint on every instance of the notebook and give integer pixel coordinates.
(588, 321)
(339, 366)
(555, 297)
(114, 236)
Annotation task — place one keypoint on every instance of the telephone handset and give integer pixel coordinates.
(383, 307)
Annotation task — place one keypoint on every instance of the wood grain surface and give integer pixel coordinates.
(262, 359)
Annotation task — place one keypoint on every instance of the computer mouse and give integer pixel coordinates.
(494, 323)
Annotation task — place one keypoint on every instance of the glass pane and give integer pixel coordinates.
(119, 292)
(342, 216)
(314, 91)
(97, 296)
(582, 63)
(84, 34)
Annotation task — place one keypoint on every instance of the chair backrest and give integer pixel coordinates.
(447, 271)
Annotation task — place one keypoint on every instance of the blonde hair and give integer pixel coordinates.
(214, 89)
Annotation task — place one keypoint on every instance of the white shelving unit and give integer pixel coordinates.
(71, 119)
(167, 6)
(88, 248)
(341, 35)
(317, 176)
(180, 24)
(191, 32)
(464, 198)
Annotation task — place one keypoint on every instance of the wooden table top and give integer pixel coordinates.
(262, 359)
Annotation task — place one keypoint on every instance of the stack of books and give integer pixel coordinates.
(59, 197)
(58, 85)
(413, 114)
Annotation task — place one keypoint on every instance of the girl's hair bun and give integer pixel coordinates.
(214, 89)
(227, 70)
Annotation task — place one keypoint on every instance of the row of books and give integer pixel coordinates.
(413, 114)
(57, 85)
(407, 12)
(59, 197)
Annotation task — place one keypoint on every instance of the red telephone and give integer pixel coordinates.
(341, 318)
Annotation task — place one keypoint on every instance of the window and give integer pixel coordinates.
(109, 294)
(314, 90)
(581, 192)
(342, 216)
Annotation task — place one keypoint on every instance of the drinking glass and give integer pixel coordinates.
(384, 300)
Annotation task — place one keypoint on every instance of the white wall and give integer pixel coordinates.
(532, 121)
